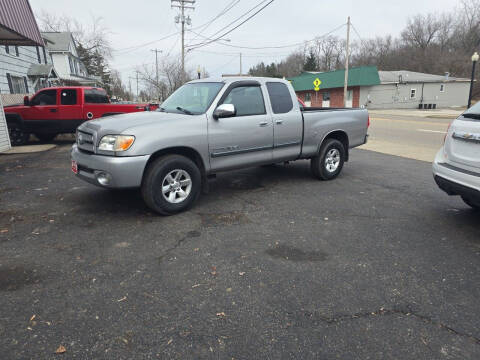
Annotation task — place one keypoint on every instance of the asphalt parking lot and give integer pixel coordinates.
(272, 264)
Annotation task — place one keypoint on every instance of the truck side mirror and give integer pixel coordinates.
(224, 111)
(26, 101)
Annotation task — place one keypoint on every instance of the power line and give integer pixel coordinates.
(196, 46)
(282, 46)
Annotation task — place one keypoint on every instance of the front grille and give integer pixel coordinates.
(86, 141)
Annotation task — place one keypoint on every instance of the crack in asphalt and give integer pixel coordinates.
(387, 312)
(189, 235)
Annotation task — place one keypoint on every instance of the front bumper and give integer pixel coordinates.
(124, 172)
(456, 181)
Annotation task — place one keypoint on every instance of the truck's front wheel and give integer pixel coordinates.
(17, 135)
(171, 184)
(329, 162)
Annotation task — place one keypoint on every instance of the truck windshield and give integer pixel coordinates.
(192, 99)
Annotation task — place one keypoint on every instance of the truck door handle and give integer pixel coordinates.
(263, 124)
(53, 110)
(279, 122)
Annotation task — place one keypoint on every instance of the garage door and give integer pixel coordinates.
(4, 139)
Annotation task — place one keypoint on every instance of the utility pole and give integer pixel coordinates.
(156, 70)
(240, 64)
(182, 5)
(345, 85)
(137, 85)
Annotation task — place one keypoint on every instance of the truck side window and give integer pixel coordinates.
(45, 97)
(248, 100)
(68, 97)
(94, 96)
(279, 97)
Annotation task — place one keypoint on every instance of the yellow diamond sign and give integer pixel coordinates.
(317, 84)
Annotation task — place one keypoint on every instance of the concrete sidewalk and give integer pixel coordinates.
(27, 149)
(451, 113)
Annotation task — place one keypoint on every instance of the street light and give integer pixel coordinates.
(475, 58)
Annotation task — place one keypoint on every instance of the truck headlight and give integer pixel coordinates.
(116, 142)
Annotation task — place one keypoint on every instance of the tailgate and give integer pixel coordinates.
(463, 143)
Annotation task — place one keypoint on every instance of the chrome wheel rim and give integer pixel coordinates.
(332, 160)
(176, 186)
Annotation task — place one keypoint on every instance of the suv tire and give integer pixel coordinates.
(329, 162)
(171, 184)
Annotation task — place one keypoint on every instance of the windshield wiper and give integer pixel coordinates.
(185, 111)
(161, 109)
(472, 116)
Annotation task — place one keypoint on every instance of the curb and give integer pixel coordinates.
(29, 149)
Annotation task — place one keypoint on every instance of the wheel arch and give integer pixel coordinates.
(339, 135)
(111, 114)
(13, 118)
(186, 151)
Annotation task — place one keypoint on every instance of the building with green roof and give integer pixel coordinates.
(329, 92)
(368, 87)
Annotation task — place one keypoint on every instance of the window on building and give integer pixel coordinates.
(17, 84)
(7, 49)
(45, 97)
(248, 100)
(308, 97)
(68, 97)
(413, 93)
(44, 54)
(95, 96)
(17, 53)
(326, 96)
(38, 55)
(279, 97)
(442, 87)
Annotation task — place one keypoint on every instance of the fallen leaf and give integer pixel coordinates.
(3, 231)
(214, 271)
(169, 341)
(33, 317)
(196, 249)
(221, 314)
(196, 285)
(122, 299)
(61, 349)
(241, 273)
(229, 289)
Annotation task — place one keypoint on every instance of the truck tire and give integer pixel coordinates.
(329, 162)
(171, 184)
(17, 135)
(45, 137)
(472, 204)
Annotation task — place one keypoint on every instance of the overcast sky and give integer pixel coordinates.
(284, 22)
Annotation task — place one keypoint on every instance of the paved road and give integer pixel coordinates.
(412, 137)
(272, 264)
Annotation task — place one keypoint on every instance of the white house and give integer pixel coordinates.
(24, 69)
(62, 49)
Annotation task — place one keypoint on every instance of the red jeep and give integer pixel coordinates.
(60, 110)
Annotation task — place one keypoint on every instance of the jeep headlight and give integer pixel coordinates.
(116, 142)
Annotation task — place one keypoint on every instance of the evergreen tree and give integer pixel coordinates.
(310, 62)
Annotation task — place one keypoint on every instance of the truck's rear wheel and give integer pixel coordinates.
(17, 135)
(329, 162)
(45, 137)
(171, 184)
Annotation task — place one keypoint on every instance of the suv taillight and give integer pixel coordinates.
(368, 123)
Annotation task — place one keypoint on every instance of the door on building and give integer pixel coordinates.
(247, 137)
(326, 99)
(349, 102)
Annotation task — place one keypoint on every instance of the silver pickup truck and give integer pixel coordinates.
(208, 126)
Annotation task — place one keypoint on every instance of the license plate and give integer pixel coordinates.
(74, 167)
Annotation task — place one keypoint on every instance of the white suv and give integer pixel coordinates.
(456, 168)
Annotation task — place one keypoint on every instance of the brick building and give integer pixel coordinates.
(373, 89)
(330, 91)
